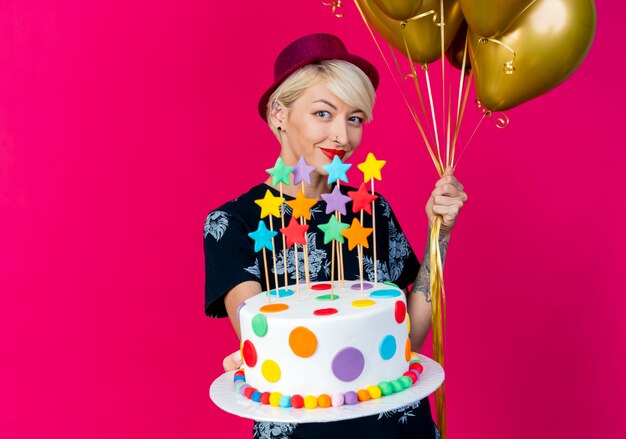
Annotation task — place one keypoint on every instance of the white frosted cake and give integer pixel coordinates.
(317, 348)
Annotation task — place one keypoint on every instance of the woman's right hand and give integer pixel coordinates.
(233, 361)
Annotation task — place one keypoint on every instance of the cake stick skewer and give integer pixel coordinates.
(296, 262)
(360, 252)
(333, 230)
(267, 277)
(282, 224)
(307, 275)
(371, 170)
(336, 202)
(374, 237)
(274, 260)
(280, 174)
(341, 274)
(263, 239)
(295, 234)
(337, 173)
(357, 237)
(301, 208)
(270, 206)
(301, 173)
(332, 272)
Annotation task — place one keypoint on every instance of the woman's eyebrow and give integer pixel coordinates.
(327, 103)
(335, 108)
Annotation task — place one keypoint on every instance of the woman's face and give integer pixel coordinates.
(319, 126)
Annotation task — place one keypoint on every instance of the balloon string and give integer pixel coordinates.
(432, 112)
(438, 317)
(406, 101)
(424, 14)
(413, 74)
(443, 79)
(471, 137)
(459, 113)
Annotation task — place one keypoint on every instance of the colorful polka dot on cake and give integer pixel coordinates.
(270, 371)
(400, 311)
(274, 307)
(325, 297)
(348, 364)
(249, 353)
(302, 342)
(387, 347)
(362, 303)
(259, 325)
(407, 350)
(385, 294)
(325, 311)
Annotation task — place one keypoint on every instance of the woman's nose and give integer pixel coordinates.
(340, 133)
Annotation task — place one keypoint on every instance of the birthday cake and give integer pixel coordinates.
(322, 347)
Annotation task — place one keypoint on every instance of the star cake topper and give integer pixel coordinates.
(357, 234)
(362, 199)
(270, 204)
(337, 170)
(371, 168)
(294, 232)
(302, 205)
(336, 201)
(262, 237)
(332, 230)
(280, 172)
(302, 172)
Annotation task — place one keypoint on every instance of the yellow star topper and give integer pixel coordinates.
(270, 205)
(371, 168)
(302, 206)
(357, 234)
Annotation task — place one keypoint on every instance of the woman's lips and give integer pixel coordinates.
(331, 153)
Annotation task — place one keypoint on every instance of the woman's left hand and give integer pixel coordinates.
(446, 200)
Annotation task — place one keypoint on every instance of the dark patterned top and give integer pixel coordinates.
(230, 260)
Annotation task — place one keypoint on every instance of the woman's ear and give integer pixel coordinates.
(277, 115)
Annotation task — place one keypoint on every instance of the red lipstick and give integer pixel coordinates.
(331, 153)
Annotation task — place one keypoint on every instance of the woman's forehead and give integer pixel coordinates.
(320, 93)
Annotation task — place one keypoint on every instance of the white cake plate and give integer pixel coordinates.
(223, 394)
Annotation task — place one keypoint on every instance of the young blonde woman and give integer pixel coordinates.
(321, 97)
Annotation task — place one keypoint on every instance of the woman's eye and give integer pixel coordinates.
(323, 114)
(356, 119)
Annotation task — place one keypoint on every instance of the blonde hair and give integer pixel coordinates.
(344, 79)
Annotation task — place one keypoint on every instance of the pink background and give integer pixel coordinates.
(118, 121)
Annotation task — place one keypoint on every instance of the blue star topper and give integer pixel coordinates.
(262, 237)
(337, 170)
